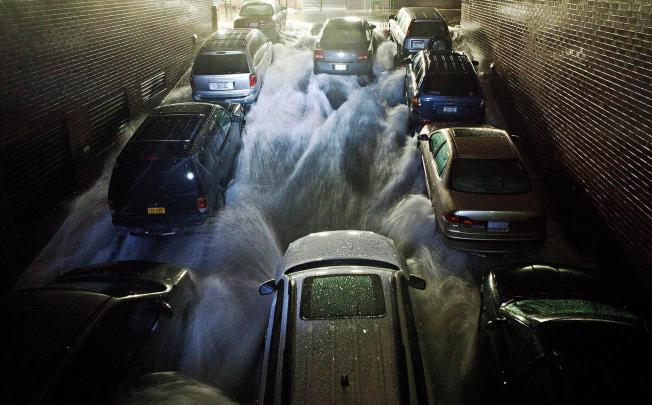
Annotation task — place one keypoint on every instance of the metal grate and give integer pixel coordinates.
(36, 171)
(107, 117)
(152, 86)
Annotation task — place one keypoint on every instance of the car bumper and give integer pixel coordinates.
(208, 97)
(158, 226)
(472, 116)
(352, 68)
(492, 242)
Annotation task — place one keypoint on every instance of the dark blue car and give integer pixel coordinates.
(443, 87)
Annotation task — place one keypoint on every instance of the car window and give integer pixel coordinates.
(489, 176)
(441, 159)
(256, 10)
(343, 36)
(437, 139)
(107, 355)
(428, 29)
(452, 85)
(225, 64)
(223, 118)
(342, 296)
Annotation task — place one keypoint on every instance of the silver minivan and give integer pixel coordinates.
(341, 327)
(230, 67)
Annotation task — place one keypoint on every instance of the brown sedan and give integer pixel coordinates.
(480, 190)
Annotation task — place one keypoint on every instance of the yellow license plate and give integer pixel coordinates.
(156, 210)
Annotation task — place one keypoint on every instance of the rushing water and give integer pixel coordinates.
(320, 153)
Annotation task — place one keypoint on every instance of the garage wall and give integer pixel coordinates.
(578, 75)
(71, 74)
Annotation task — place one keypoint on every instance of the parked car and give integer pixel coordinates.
(556, 335)
(231, 66)
(414, 29)
(265, 15)
(480, 190)
(341, 327)
(90, 332)
(345, 46)
(443, 87)
(174, 170)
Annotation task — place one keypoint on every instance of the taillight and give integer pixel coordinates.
(456, 219)
(319, 54)
(202, 205)
(192, 82)
(252, 80)
(363, 55)
(416, 104)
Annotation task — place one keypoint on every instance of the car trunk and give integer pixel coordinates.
(261, 22)
(221, 72)
(148, 181)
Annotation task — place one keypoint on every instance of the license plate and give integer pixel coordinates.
(220, 86)
(449, 109)
(253, 25)
(340, 66)
(418, 44)
(156, 210)
(497, 225)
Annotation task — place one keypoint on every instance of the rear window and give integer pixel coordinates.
(253, 10)
(343, 37)
(224, 64)
(342, 296)
(452, 85)
(427, 29)
(489, 176)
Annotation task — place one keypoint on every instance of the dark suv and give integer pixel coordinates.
(174, 170)
(414, 29)
(443, 86)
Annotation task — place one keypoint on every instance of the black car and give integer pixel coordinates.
(341, 327)
(345, 46)
(554, 335)
(89, 333)
(174, 170)
(443, 87)
(265, 15)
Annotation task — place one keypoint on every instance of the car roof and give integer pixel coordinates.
(323, 349)
(448, 62)
(425, 13)
(482, 143)
(340, 247)
(229, 40)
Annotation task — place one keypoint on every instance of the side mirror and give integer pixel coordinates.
(392, 17)
(315, 29)
(164, 309)
(475, 63)
(372, 26)
(423, 137)
(495, 323)
(416, 282)
(515, 137)
(267, 287)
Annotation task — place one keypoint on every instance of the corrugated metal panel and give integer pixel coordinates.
(107, 117)
(37, 170)
(153, 86)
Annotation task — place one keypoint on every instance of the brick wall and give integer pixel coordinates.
(61, 58)
(578, 75)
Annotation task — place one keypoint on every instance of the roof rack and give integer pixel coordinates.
(449, 62)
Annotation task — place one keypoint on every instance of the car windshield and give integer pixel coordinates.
(427, 29)
(602, 362)
(489, 176)
(224, 64)
(342, 296)
(343, 36)
(452, 85)
(564, 308)
(255, 10)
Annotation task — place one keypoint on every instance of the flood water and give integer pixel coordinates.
(320, 153)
